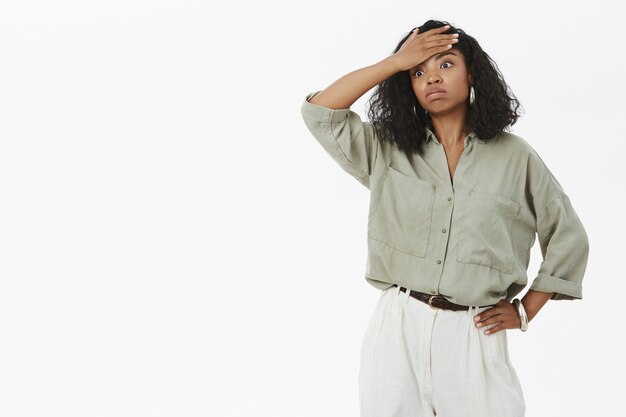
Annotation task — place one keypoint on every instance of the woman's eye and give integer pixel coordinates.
(418, 71)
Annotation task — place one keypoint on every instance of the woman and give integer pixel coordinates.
(455, 204)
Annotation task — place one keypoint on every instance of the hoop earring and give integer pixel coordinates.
(472, 95)
(415, 111)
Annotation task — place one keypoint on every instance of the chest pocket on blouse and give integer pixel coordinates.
(401, 214)
(485, 231)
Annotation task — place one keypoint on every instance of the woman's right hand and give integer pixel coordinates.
(419, 47)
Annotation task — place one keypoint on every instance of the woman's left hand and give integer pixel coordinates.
(503, 313)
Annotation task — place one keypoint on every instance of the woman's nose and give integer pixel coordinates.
(434, 78)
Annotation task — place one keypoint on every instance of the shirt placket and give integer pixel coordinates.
(444, 217)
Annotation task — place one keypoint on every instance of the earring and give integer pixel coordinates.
(415, 111)
(472, 95)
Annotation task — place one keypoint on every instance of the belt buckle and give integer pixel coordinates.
(430, 300)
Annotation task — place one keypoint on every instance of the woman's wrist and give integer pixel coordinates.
(533, 301)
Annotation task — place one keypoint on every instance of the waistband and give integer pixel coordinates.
(436, 300)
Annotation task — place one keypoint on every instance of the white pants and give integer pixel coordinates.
(418, 361)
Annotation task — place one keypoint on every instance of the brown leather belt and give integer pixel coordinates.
(436, 300)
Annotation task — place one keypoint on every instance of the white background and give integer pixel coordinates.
(174, 242)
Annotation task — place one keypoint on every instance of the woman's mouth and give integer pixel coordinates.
(436, 94)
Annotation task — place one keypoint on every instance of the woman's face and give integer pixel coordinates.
(445, 71)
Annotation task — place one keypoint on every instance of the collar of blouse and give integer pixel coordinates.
(430, 135)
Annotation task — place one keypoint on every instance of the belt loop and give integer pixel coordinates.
(407, 296)
(398, 290)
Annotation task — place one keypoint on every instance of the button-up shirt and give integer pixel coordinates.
(469, 237)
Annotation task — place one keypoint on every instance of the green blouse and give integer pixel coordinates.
(468, 240)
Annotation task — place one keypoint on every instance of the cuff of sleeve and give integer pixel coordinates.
(562, 289)
(321, 113)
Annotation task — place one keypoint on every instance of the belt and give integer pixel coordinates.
(436, 300)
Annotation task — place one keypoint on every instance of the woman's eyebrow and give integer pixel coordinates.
(437, 57)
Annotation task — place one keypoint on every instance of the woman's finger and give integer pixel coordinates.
(492, 318)
(495, 329)
(443, 40)
(439, 44)
(434, 31)
(439, 30)
(488, 313)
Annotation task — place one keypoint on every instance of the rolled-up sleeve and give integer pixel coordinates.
(562, 237)
(347, 139)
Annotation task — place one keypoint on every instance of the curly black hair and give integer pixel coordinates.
(399, 119)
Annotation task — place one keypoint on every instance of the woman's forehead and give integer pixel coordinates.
(439, 56)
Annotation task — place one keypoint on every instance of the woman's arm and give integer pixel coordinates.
(416, 49)
(533, 301)
(346, 90)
